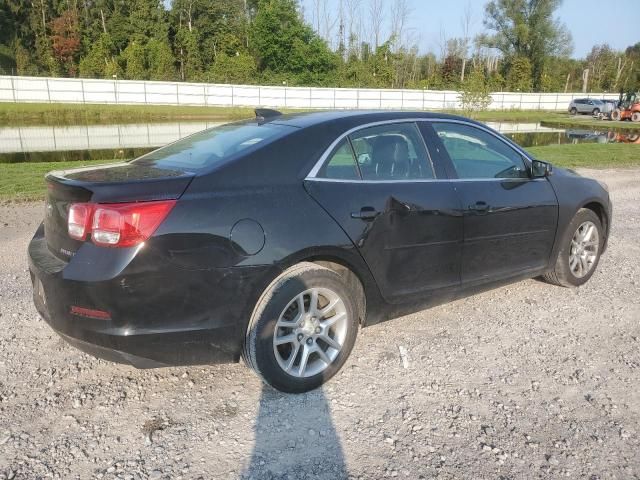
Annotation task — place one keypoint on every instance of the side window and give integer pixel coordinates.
(341, 164)
(479, 154)
(392, 152)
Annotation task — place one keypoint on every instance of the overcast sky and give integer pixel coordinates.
(590, 21)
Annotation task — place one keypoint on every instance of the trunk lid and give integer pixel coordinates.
(114, 183)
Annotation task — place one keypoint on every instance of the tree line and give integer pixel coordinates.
(345, 43)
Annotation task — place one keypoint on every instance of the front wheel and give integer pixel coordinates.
(580, 252)
(573, 111)
(302, 329)
(635, 117)
(596, 112)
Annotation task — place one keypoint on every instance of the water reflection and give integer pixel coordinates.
(125, 141)
(57, 143)
(572, 136)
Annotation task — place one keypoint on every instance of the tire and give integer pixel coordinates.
(573, 111)
(563, 273)
(616, 115)
(595, 112)
(635, 117)
(277, 316)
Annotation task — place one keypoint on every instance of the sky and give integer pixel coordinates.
(590, 22)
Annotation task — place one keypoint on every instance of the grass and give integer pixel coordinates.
(512, 115)
(589, 155)
(77, 114)
(13, 114)
(25, 181)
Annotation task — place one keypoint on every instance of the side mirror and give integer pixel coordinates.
(540, 169)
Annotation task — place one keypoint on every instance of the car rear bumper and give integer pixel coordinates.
(153, 320)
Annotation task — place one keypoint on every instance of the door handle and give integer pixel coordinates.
(481, 207)
(365, 213)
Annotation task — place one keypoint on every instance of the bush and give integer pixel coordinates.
(475, 94)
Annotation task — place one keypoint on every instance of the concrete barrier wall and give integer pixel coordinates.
(130, 92)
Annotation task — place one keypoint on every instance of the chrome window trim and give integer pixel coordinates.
(312, 175)
(425, 180)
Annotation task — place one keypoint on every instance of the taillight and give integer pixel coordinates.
(79, 222)
(117, 224)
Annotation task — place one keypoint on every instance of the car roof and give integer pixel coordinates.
(355, 117)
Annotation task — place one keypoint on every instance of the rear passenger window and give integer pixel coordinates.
(391, 152)
(341, 164)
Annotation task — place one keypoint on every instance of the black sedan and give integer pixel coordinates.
(275, 239)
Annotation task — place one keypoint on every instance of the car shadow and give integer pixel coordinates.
(295, 439)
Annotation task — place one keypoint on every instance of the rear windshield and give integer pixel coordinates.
(213, 146)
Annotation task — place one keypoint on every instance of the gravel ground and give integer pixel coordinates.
(526, 381)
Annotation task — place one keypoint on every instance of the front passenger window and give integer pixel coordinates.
(477, 154)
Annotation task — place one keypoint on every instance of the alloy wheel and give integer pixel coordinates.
(584, 249)
(310, 332)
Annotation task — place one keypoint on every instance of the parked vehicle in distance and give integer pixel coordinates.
(589, 106)
(276, 238)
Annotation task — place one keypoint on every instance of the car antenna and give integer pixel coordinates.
(264, 114)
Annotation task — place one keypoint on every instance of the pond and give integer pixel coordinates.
(124, 141)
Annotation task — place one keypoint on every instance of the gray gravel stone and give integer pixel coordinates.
(528, 380)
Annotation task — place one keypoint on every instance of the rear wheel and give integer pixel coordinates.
(616, 115)
(302, 329)
(596, 112)
(573, 111)
(580, 252)
(635, 117)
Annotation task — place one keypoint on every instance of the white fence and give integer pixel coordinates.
(130, 92)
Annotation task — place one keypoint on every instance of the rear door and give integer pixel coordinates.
(584, 106)
(381, 186)
(509, 218)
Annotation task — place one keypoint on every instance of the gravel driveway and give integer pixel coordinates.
(527, 381)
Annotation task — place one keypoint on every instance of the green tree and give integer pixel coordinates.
(283, 43)
(99, 62)
(160, 60)
(527, 29)
(519, 75)
(25, 62)
(218, 27)
(149, 19)
(134, 60)
(602, 61)
(630, 76)
(239, 68)
(188, 51)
